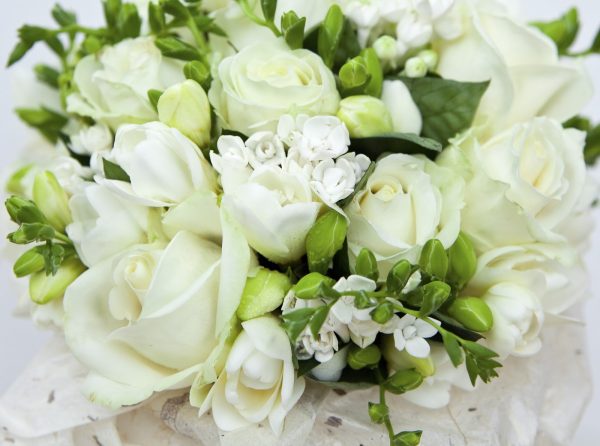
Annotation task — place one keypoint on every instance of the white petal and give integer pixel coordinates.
(418, 347)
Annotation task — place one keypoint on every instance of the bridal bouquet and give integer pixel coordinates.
(245, 197)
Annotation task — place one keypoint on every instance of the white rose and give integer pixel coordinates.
(406, 116)
(93, 139)
(259, 381)
(254, 88)
(113, 86)
(408, 200)
(151, 319)
(165, 168)
(522, 184)
(275, 210)
(515, 57)
(105, 224)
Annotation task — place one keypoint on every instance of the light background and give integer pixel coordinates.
(19, 340)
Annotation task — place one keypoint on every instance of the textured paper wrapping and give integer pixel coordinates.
(536, 401)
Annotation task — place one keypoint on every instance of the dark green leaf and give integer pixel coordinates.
(595, 48)
(46, 121)
(129, 21)
(330, 34)
(63, 17)
(479, 350)
(112, 8)
(563, 31)
(113, 171)
(268, 8)
(18, 52)
(318, 319)
(373, 65)
(175, 8)
(292, 28)
(32, 34)
(156, 18)
(448, 107)
(296, 321)
(361, 185)
(592, 146)
(324, 240)
(453, 348)
(176, 48)
(47, 75)
(154, 97)
(376, 146)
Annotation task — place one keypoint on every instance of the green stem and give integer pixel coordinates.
(198, 35)
(386, 419)
(250, 14)
(63, 238)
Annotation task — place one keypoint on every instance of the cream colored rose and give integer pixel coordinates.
(263, 82)
(407, 201)
(112, 87)
(259, 380)
(527, 77)
(152, 318)
(522, 184)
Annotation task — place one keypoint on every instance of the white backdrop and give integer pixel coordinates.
(19, 340)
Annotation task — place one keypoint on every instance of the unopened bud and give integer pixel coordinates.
(378, 412)
(430, 57)
(462, 263)
(386, 48)
(29, 263)
(52, 200)
(365, 116)
(434, 260)
(366, 265)
(46, 288)
(359, 358)
(354, 74)
(473, 313)
(403, 381)
(263, 293)
(415, 67)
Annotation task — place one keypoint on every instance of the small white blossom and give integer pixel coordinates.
(95, 139)
(333, 180)
(265, 148)
(323, 137)
(360, 164)
(231, 150)
(410, 334)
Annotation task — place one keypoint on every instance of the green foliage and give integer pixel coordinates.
(434, 260)
(376, 146)
(48, 122)
(448, 107)
(113, 171)
(324, 240)
(292, 28)
(330, 34)
(366, 265)
(359, 358)
(591, 151)
(199, 72)
(563, 31)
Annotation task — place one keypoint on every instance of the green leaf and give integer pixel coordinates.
(452, 346)
(376, 146)
(434, 260)
(292, 28)
(47, 75)
(63, 17)
(407, 439)
(479, 350)
(198, 72)
(310, 286)
(176, 48)
(18, 52)
(375, 70)
(366, 265)
(324, 240)
(318, 319)
(112, 8)
(113, 171)
(129, 21)
(563, 31)
(296, 321)
(46, 121)
(435, 294)
(54, 255)
(448, 107)
(268, 8)
(154, 97)
(32, 232)
(595, 48)
(156, 18)
(175, 8)
(330, 34)
(592, 146)
(32, 34)
(361, 185)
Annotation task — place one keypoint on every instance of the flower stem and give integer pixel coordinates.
(382, 401)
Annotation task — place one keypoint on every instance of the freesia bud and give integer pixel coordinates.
(430, 57)
(473, 313)
(462, 261)
(402, 360)
(45, 288)
(398, 276)
(386, 48)
(415, 67)
(29, 263)
(359, 358)
(434, 259)
(366, 265)
(383, 313)
(310, 285)
(52, 200)
(185, 107)
(24, 211)
(403, 381)
(378, 412)
(365, 116)
(263, 293)
(354, 74)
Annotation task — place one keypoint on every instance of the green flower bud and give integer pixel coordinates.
(398, 276)
(415, 67)
(430, 57)
(407, 439)
(434, 260)
(403, 381)
(378, 412)
(462, 261)
(185, 107)
(52, 200)
(365, 116)
(310, 285)
(15, 184)
(359, 358)
(366, 265)
(386, 48)
(402, 360)
(197, 71)
(24, 211)
(435, 294)
(354, 74)
(473, 313)
(383, 313)
(44, 289)
(29, 263)
(263, 293)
